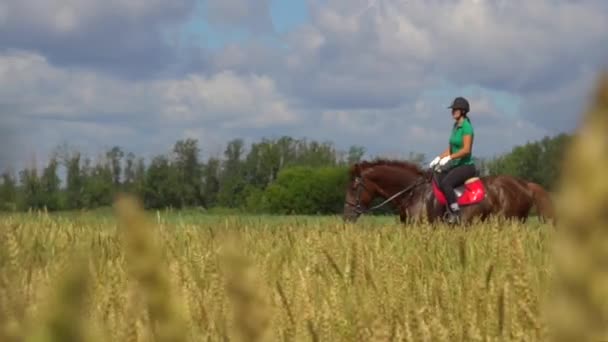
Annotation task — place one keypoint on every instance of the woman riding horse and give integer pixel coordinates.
(414, 191)
(458, 157)
(407, 187)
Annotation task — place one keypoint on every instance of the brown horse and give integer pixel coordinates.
(409, 188)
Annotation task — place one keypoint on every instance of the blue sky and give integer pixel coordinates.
(379, 74)
(285, 16)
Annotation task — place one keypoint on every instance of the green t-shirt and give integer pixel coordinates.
(457, 142)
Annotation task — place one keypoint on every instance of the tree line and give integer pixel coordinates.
(178, 179)
(537, 161)
(283, 176)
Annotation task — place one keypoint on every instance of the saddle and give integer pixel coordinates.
(471, 192)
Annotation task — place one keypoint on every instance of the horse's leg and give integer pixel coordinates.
(403, 216)
(542, 201)
(523, 213)
(415, 210)
(434, 211)
(467, 214)
(409, 214)
(472, 212)
(486, 212)
(403, 212)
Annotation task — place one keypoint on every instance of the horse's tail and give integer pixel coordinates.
(542, 202)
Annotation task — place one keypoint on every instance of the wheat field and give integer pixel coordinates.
(163, 277)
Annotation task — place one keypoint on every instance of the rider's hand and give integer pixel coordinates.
(444, 160)
(434, 162)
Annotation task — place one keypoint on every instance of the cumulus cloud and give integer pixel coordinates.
(100, 108)
(128, 38)
(228, 99)
(248, 14)
(35, 88)
(250, 56)
(9, 138)
(516, 46)
(557, 107)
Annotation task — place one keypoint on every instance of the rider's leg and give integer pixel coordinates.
(454, 178)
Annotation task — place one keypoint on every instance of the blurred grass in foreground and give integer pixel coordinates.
(579, 310)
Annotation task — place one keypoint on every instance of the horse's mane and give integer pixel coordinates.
(403, 164)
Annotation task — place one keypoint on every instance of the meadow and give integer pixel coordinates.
(186, 276)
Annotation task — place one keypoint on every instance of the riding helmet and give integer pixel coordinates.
(460, 103)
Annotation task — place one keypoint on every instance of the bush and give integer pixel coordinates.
(304, 191)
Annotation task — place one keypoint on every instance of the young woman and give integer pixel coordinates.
(459, 154)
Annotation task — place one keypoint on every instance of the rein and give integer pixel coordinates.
(360, 184)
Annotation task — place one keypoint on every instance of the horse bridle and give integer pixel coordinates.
(360, 184)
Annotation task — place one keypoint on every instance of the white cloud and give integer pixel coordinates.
(510, 45)
(132, 39)
(250, 14)
(234, 100)
(39, 89)
(63, 17)
(84, 105)
(35, 88)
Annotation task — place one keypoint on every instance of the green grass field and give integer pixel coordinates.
(181, 276)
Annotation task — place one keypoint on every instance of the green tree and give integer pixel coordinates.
(232, 181)
(552, 157)
(537, 161)
(316, 154)
(99, 184)
(129, 172)
(50, 186)
(8, 192)
(211, 182)
(188, 172)
(355, 153)
(139, 181)
(287, 151)
(161, 188)
(114, 157)
(263, 162)
(74, 181)
(31, 190)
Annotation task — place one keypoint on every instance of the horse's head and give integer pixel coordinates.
(369, 180)
(359, 193)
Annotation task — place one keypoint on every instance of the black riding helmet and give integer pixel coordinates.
(460, 103)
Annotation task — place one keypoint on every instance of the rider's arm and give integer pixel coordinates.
(445, 153)
(466, 149)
